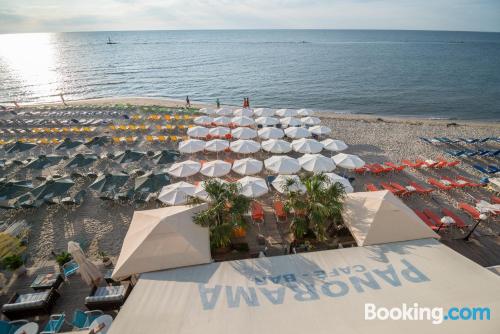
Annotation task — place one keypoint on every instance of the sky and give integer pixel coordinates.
(101, 15)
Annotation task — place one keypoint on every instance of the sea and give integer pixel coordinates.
(429, 74)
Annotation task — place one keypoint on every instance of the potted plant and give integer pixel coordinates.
(106, 261)
(63, 258)
(223, 215)
(15, 264)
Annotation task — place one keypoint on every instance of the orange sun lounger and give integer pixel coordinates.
(257, 212)
(438, 184)
(279, 210)
(425, 219)
(470, 210)
(371, 187)
(458, 221)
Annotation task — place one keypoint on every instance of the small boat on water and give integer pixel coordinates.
(109, 41)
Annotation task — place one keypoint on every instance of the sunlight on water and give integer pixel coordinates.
(30, 61)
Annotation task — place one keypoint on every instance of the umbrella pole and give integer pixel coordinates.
(467, 237)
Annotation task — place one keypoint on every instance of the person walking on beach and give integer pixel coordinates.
(188, 103)
(62, 99)
(218, 103)
(248, 102)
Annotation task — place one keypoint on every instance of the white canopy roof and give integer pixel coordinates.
(243, 112)
(297, 132)
(252, 186)
(245, 146)
(271, 133)
(224, 111)
(207, 111)
(310, 120)
(215, 168)
(306, 145)
(286, 112)
(265, 120)
(348, 161)
(161, 239)
(276, 146)
(216, 145)
(318, 292)
(280, 182)
(222, 120)
(176, 193)
(219, 131)
(259, 112)
(290, 121)
(191, 146)
(335, 178)
(282, 164)
(320, 130)
(378, 217)
(243, 133)
(184, 168)
(334, 144)
(316, 163)
(202, 120)
(247, 166)
(197, 131)
(242, 121)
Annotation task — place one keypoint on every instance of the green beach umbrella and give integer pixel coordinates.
(81, 160)
(109, 182)
(68, 144)
(52, 188)
(151, 182)
(44, 161)
(166, 157)
(129, 156)
(20, 147)
(13, 189)
(98, 141)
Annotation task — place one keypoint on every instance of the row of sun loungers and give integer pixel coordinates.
(473, 153)
(387, 167)
(400, 190)
(433, 220)
(446, 140)
(447, 183)
(490, 169)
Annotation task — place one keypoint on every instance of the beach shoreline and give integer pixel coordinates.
(326, 114)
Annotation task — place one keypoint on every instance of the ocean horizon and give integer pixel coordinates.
(412, 73)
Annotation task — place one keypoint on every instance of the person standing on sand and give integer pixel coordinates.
(248, 102)
(188, 103)
(62, 99)
(17, 105)
(218, 103)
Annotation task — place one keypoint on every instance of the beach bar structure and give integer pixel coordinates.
(317, 292)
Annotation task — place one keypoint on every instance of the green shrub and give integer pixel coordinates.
(12, 262)
(63, 257)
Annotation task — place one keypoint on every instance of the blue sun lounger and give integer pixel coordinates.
(54, 325)
(485, 170)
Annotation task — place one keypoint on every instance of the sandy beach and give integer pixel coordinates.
(102, 225)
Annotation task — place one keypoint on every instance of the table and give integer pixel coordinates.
(47, 281)
(103, 319)
(29, 328)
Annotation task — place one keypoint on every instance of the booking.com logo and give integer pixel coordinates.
(437, 315)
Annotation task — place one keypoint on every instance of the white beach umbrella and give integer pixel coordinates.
(267, 121)
(304, 112)
(280, 182)
(320, 130)
(215, 168)
(222, 120)
(243, 112)
(216, 145)
(224, 112)
(306, 145)
(191, 146)
(271, 133)
(276, 146)
(219, 131)
(248, 166)
(197, 132)
(207, 111)
(297, 132)
(334, 178)
(348, 161)
(245, 146)
(242, 121)
(252, 186)
(259, 112)
(200, 191)
(202, 120)
(184, 169)
(88, 270)
(334, 145)
(286, 112)
(176, 193)
(281, 164)
(316, 163)
(290, 121)
(243, 133)
(309, 120)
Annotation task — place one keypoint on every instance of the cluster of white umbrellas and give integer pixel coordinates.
(272, 145)
(258, 112)
(277, 164)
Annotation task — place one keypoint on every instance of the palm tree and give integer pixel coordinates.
(321, 202)
(226, 207)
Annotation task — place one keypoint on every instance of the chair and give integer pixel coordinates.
(390, 188)
(371, 187)
(411, 164)
(257, 212)
(468, 182)
(454, 183)
(83, 319)
(396, 168)
(482, 169)
(425, 219)
(470, 210)
(279, 210)
(458, 221)
(30, 304)
(56, 321)
(421, 190)
(403, 191)
(439, 184)
(10, 327)
(69, 268)
(436, 220)
(360, 170)
(108, 297)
